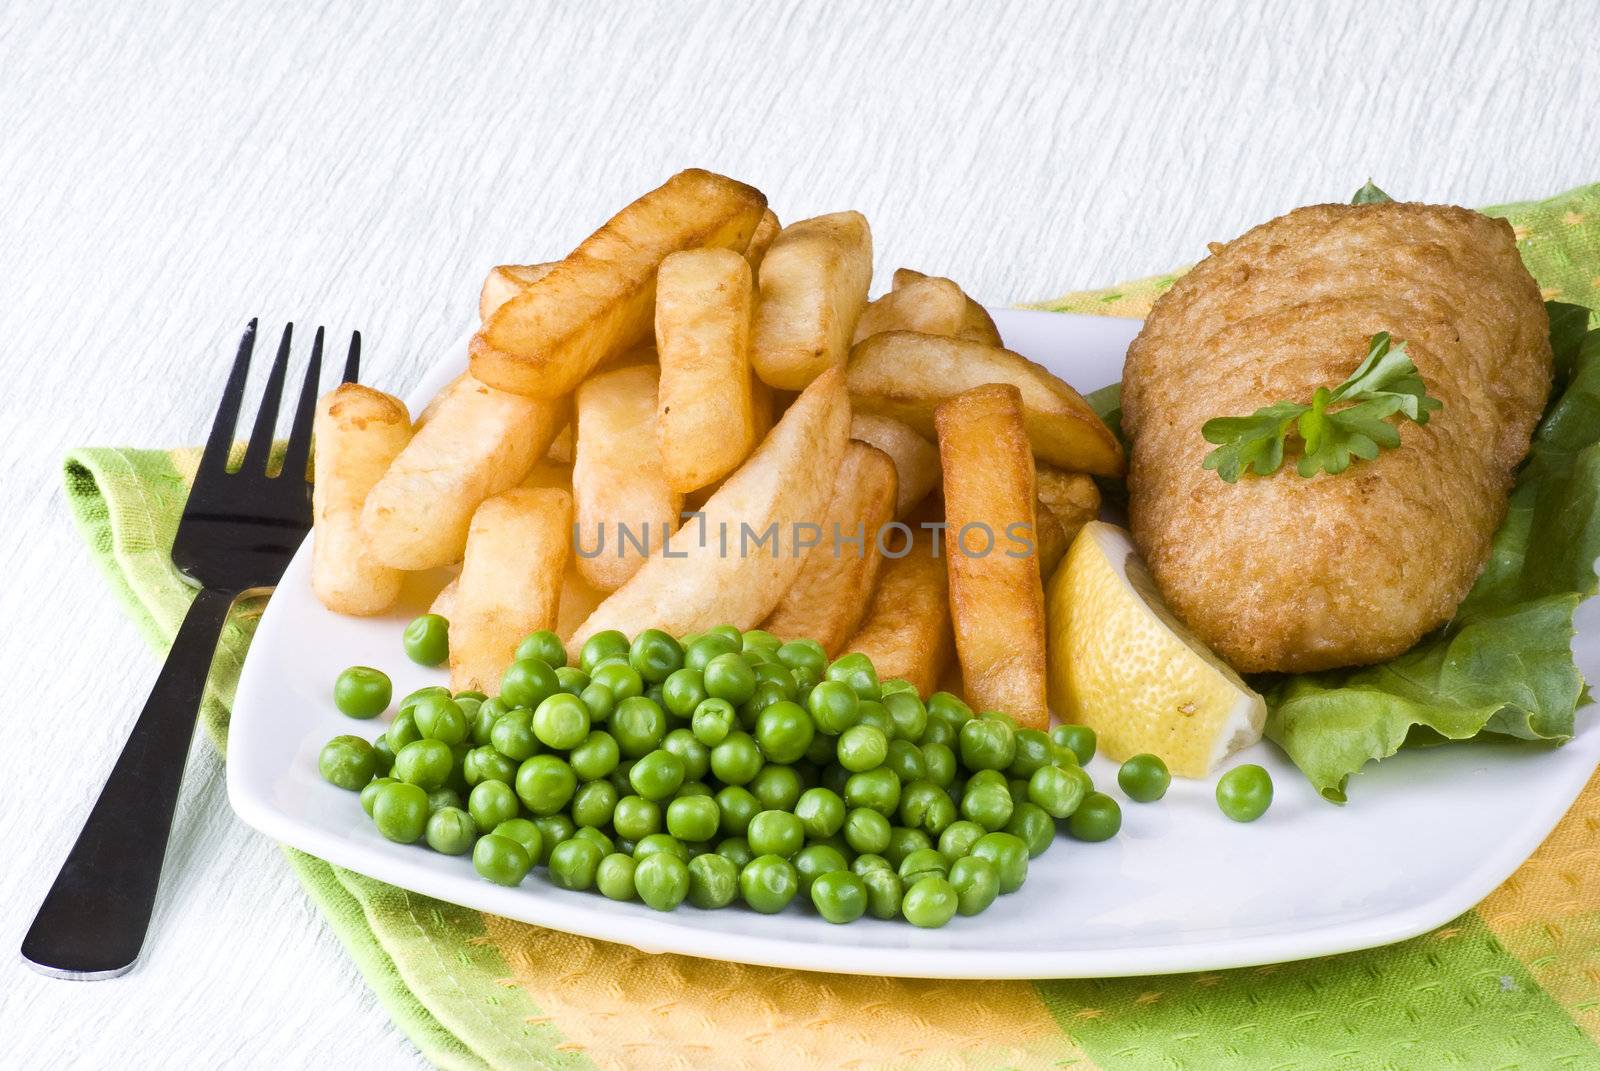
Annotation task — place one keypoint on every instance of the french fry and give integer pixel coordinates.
(829, 597)
(476, 442)
(578, 600)
(444, 603)
(1071, 496)
(704, 422)
(906, 632)
(1050, 539)
(510, 581)
(600, 301)
(905, 375)
(358, 432)
(813, 287)
(699, 582)
(996, 596)
(623, 504)
(932, 306)
(506, 282)
(916, 460)
(562, 447)
(761, 241)
(976, 323)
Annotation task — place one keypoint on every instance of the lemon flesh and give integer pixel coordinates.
(1122, 664)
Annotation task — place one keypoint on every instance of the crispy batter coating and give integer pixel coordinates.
(1283, 573)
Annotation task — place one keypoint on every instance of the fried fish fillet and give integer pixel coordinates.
(1284, 573)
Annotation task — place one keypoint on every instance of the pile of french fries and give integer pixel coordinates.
(693, 370)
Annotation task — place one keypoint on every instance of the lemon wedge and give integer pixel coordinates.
(1124, 665)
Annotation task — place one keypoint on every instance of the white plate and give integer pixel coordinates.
(1426, 835)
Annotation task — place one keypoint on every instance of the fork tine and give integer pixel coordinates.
(299, 448)
(260, 448)
(220, 442)
(352, 363)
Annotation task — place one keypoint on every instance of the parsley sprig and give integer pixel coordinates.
(1350, 421)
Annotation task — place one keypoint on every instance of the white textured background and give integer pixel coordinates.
(169, 170)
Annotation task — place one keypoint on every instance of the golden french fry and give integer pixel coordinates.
(704, 422)
(714, 572)
(1071, 496)
(623, 504)
(476, 442)
(976, 323)
(813, 287)
(916, 460)
(510, 581)
(932, 306)
(444, 603)
(506, 282)
(548, 473)
(600, 301)
(829, 597)
(358, 432)
(905, 375)
(578, 600)
(996, 596)
(761, 241)
(906, 632)
(1050, 539)
(561, 448)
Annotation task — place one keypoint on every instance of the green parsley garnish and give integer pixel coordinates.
(1385, 384)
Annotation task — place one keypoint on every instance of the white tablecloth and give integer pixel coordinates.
(169, 170)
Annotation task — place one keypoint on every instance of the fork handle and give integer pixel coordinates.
(93, 921)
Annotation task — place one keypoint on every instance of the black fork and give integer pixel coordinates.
(238, 532)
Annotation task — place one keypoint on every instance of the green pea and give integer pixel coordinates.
(654, 655)
(946, 707)
(400, 811)
(940, 763)
(662, 880)
(926, 806)
(425, 763)
(427, 640)
(738, 806)
(596, 757)
(513, 736)
(702, 649)
(976, 882)
(572, 680)
(440, 718)
(736, 850)
(939, 734)
(930, 903)
(736, 760)
(561, 721)
(869, 861)
(639, 726)
(501, 860)
(695, 755)
(907, 761)
(693, 788)
(1056, 790)
(528, 682)
(573, 863)
(713, 721)
(544, 784)
(872, 713)
(906, 711)
(857, 671)
(713, 881)
(544, 645)
(878, 789)
(1008, 854)
(369, 792)
(1080, 739)
(525, 833)
(922, 863)
(660, 842)
(451, 831)
(1097, 818)
(440, 798)
(814, 860)
(490, 803)
(594, 803)
(683, 692)
(768, 883)
(1018, 790)
(1035, 828)
(824, 749)
(1144, 778)
(614, 877)
(784, 732)
(602, 647)
(382, 754)
(693, 818)
(483, 718)
(729, 677)
(987, 744)
(1033, 750)
(988, 805)
(657, 775)
(802, 654)
(776, 833)
(867, 830)
(834, 706)
(362, 692)
(636, 817)
(553, 829)
(777, 788)
(839, 896)
(890, 685)
(862, 748)
(401, 731)
(902, 842)
(755, 639)
(593, 835)
(884, 893)
(1245, 792)
(599, 700)
(821, 812)
(347, 761)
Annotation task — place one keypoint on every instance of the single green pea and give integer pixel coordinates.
(987, 744)
(525, 833)
(601, 647)
(553, 829)
(922, 863)
(440, 718)
(857, 671)
(512, 735)
(490, 803)
(736, 760)
(755, 639)
(696, 756)
(600, 701)
(401, 731)
(976, 882)
(869, 861)
(803, 655)
(902, 842)
(862, 748)
(1245, 792)
(1097, 818)
(596, 757)
(948, 708)
(768, 883)
(347, 761)
(1033, 826)
(736, 850)
(1056, 790)
(878, 789)
(958, 838)
(713, 720)
(657, 775)
(662, 880)
(382, 754)
(369, 792)
(636, 817)
(362, 692)
(427, 640)
(820, 811)
(890, 685)
(834, 706)
(482, 720)
(654, 655)
(867, 830)
(940, 764)
(1008, 854)
(776, 673)
(885, 894)
(544, 645)
(619, 679)
(907, 761)
(501, 859)
(702, 649)
(815, 860)
(451, 831)
(528, 682)
(400, 811)
(988, 805)
(784, 732)
(775, 833)
(930, 903)
(906, 711)
(738, 806)
(1034, 749)
(1080, 739)
(940, 734)
(693, 818)
(573, 863)
(1018, 790)
(839, 896)
(683, 692)
(544, 784)
(561, 721)
(713, 881)
(593, 835)
(660, 842)
(572, 680)
(440, 798)
(693, 788)
(425, 763)
(639, 726)
(614, 877)
(594, 803)
(926, 806)
(729, 677)
(1144, 778)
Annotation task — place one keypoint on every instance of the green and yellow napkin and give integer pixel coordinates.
(1514, 983)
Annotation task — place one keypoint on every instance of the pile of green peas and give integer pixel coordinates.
(724, 766)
